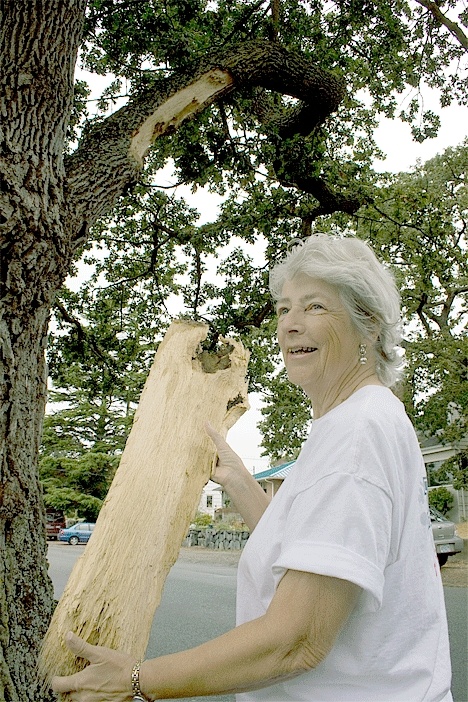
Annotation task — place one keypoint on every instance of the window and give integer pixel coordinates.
(209, 500)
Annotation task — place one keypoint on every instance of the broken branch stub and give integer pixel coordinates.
(116, 585)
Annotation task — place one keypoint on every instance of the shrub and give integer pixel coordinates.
(231, 523)
(441, 499)
(202, 519)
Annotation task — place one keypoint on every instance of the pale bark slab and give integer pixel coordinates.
(116, 585)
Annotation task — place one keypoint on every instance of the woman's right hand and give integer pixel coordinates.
(228, 464)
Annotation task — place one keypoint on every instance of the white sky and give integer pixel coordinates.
(394, 138)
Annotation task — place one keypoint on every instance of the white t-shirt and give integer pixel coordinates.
(354, 506)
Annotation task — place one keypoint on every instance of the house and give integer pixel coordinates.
(271, 479)
(211, 499)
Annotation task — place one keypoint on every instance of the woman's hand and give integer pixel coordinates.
(106, 679)
(228, 464)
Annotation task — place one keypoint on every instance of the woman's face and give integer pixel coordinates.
(320, 345)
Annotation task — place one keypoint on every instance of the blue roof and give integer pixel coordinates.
(279, 472)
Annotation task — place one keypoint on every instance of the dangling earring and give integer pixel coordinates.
(362, 354)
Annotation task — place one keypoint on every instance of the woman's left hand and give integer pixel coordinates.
(106, 679)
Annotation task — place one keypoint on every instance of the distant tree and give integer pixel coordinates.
(455, 471)
(77, 486)
(418, 222)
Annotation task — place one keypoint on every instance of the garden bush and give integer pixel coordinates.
(441, 499)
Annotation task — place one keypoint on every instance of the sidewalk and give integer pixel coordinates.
(454, 573)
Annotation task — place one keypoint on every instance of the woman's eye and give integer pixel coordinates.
(314, 306)
(282, 311)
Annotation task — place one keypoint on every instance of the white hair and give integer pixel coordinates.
(366, 287)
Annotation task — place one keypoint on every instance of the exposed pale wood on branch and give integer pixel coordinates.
(116, 585)
(186, 103)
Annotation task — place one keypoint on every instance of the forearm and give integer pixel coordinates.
(247, 497)
(293, 636)
(247, 657)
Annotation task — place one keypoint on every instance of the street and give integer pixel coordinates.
(199, 601)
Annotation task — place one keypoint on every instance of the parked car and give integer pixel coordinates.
(446, 539)
(54, 522)
(77, 534)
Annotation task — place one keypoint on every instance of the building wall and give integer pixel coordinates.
(211, 499)
(271, 486)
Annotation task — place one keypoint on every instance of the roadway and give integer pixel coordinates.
(198, 603)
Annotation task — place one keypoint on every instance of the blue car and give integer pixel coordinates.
(77, 534)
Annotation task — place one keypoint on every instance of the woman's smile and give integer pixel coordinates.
(301, 350)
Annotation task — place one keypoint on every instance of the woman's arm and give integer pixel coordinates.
(293, 636)
(246, 495)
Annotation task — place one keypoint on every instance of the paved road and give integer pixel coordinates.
(199, 600)
(456, 602)
(198, 604)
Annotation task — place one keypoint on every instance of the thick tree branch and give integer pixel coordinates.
(453, 27)
(420, 311)
(330, 201)
(110, 158)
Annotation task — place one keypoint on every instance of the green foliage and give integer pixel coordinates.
(287, 418)
(417, 222)
(202, 519)
(152, 259)
(441, 499)
(77, 485)
(456, 469)
(74, 502)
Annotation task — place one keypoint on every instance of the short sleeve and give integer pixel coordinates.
(340, 527)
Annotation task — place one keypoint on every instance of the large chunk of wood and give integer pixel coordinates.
(116, 585)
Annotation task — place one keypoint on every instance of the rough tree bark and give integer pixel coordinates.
(47, 205)
(36, 78)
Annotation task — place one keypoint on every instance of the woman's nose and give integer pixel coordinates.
(294, 322)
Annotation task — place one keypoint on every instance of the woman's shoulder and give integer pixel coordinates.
(376, 400)
(369, 402)
(361, 438)
(370, 413)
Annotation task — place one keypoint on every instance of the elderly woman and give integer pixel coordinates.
(339, 591)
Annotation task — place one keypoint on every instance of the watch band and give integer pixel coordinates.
(138, 696)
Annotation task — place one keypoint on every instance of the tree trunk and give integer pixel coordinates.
(152, 499)
(26, 595)
(36, 79)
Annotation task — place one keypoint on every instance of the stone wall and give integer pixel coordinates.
(212, 538)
